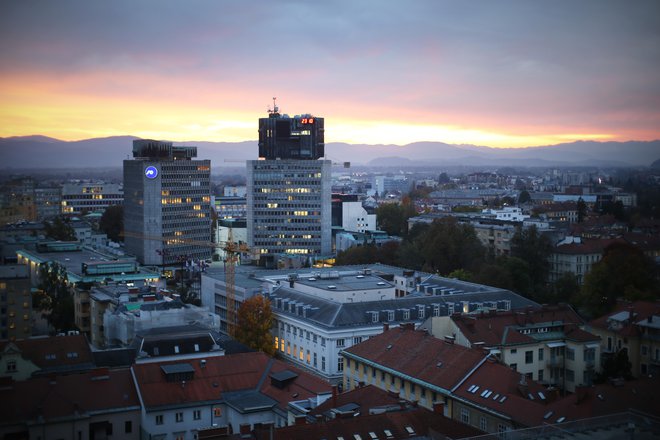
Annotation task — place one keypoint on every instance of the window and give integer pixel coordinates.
(357, 340)
(540, 354)
(465, 416)
(301, 354)
(540, 376)
(11, 366)
(322, 342)
(314, 360)
(483, 424)
(529, 357)
(340, 364)
(309, 357)
(179, 417)
(514, 350)
(128, 426)
(645, 350)
(406, 315)
(197, 414)
(514, 367)
(159, 419)
(323, 363)
(340, 342)
(570, 354)
(390, 315)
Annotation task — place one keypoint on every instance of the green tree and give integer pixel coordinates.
(448, 245)
(393, 217)
(112, 222)
(534, 248)
(564, 288)
(54, 298)
(524, 196)
(255, 319)
(617, 365)
(59, 229)
(624, 272)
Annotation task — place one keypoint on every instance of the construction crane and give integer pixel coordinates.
(232, 251)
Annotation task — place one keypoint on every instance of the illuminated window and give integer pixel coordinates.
(301, 356)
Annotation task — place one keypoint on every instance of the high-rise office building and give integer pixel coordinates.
(289, 188)
(167, 198)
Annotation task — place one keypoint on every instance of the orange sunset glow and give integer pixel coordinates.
(393, 74)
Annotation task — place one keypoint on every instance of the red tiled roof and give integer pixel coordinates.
(419, 355)
(61, 396)
(645, 242)
(500, 328)
(421, 421)
(55, 352)
(366, 397)
(223, 374)
(587, 246)
(640, 309)
(502, 381)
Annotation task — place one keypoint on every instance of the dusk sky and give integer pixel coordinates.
(494, 73)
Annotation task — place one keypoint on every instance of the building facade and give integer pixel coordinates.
(15, 302)
(319, 312)
(84, 197)
(289, 189)
(167, 203)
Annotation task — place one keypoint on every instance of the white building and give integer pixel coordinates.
(356, 219)
(320, 312)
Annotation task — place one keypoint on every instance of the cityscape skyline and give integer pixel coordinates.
(503, 75)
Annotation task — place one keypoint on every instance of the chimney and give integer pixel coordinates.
(334, 396)
(438, 407)
(581, 393)
(202, 363)
(386, 327)
(301, 420)
(394, 394)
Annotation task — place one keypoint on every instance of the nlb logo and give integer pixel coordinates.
(151, 172)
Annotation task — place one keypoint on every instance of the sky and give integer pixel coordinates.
(492, 73)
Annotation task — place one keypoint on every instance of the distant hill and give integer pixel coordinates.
(45, 152)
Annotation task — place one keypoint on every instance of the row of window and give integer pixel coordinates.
(178, 417)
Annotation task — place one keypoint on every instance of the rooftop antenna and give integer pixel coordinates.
(275, 111)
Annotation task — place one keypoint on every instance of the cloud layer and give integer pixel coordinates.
(507, 73)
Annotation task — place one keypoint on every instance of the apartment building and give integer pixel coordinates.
(545, 344)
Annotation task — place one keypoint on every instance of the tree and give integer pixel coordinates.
(524, 197)
(448, 245)
(54, 298)
(534, 248)
(188, 296)
(393, 217)
(581, 210)
(112, 222)
(624, 272)
(59, 229)
(255, 319)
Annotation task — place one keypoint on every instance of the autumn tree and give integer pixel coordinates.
(54, 298)
(255, 319)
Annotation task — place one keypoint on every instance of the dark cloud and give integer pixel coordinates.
(527, 60)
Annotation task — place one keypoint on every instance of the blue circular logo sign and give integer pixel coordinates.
(151, 172)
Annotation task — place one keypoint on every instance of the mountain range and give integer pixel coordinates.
(45, 152)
